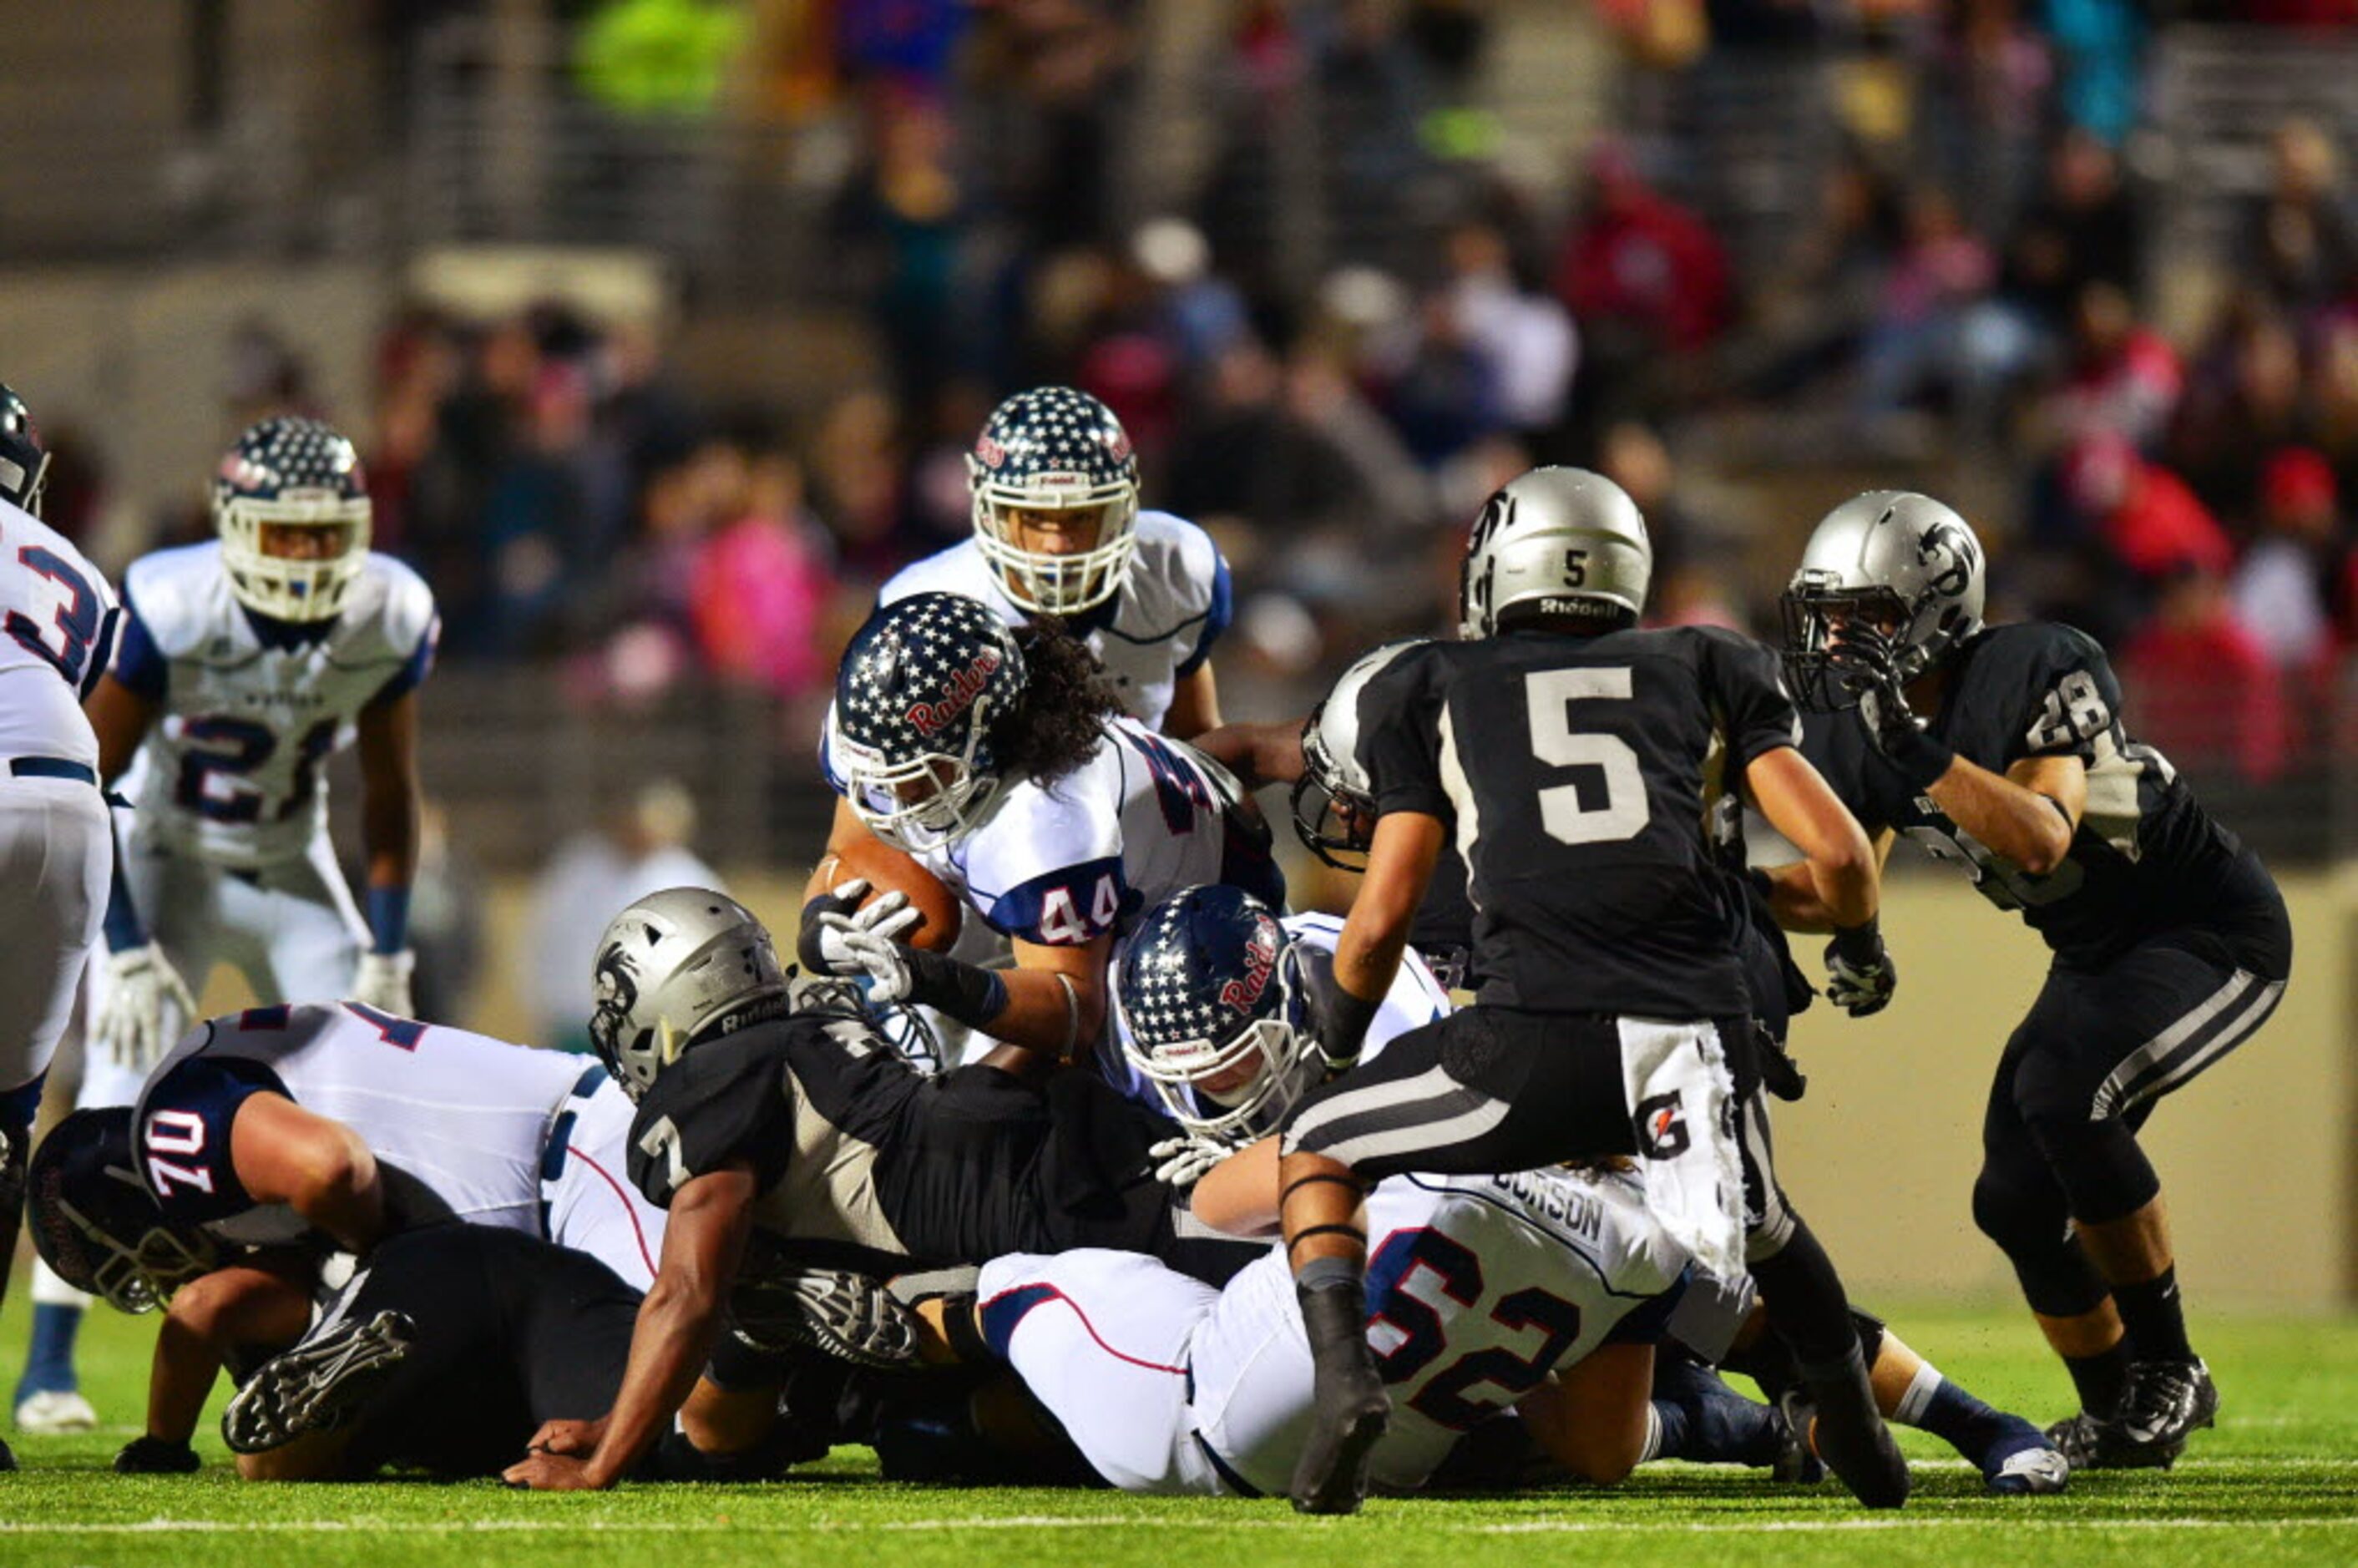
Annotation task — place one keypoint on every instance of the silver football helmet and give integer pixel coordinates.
(674, 968)
(1562, 541)
(1900, 562)
(1334, 799)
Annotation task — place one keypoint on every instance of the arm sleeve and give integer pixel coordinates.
(1748, 689)
(183, 1134)
(718, 1103)
(1400, 738)
(2069, 698)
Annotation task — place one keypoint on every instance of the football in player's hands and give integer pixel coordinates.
(885, 871)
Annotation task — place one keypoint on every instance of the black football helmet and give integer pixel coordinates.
(95, 1222)
(24, 461)
(1055, 449)
(1334, 799)
(916, 697)
(299, 473)
(1212, 1012)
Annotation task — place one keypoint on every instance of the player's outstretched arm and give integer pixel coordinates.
(316, 1165)
(711, 1216)
(391, 803)
(1591, 1416)
(121, 718)
(1257, 754)
(238, 1307)
(1195, 705)
(1843, 870)
(1240, 1195)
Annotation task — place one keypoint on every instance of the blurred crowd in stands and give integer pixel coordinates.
(1333, 385)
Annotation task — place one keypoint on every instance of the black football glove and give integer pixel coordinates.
(1866, 664)
(156, 1456)
(1861, 976)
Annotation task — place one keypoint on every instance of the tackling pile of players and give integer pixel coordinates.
(1211, 1198)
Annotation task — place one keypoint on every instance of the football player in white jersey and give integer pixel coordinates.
(1544, 1291)
(1058, 533)
(245, 663)
(1212, 1002)
(330, 1128)
(997, 760)
(57, 622)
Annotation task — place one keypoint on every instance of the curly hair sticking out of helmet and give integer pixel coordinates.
(1057, 724)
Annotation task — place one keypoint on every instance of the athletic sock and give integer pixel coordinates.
(1934, 1404)
(2100, 1378)
(2155, 1318)
(50, 1360)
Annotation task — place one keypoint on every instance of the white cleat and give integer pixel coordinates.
(2033, 1472)
(56, 1411)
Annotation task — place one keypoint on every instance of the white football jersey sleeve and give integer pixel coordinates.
(58, 618)
(468, 1115)
(1172, 609)
(231, 772)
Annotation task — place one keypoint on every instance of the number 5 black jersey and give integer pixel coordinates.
(2146, 856)
(1574, 770)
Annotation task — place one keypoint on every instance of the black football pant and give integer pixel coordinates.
(2086, 1068)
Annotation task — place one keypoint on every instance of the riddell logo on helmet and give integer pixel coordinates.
(1261, 958)
(965, 685)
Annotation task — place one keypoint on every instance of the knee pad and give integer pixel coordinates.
(2032, 1227)
(2102, 1171)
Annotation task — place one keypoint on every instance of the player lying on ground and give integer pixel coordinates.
(55, 848)
(1000, 762)
(2001, 750)
(245, 664)
(780, 1110)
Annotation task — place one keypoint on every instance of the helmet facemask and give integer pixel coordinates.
(1048, 583)
(1334, 821)
(923, 802)
(1822, 616)
(286, 586)
(143, 1276)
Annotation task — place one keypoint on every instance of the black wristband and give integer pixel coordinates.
(1921, 760)
(806, 944)
(968, 992)
(1346, 1025)
(1860, 947)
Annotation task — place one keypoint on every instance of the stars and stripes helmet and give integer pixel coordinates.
(916, 697)
(96, 1224)
(1214, 1012)
(286, 474)
(1334, 799)
(24, 461)
(674, 968)
(1560, 543)
(1902, 562)
(1055, 449)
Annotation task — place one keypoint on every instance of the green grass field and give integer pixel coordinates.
(2276, 1483)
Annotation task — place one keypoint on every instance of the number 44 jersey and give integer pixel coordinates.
(231, 772)
(1574, 773)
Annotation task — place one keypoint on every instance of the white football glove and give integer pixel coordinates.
(382, 982)
(862, 943)
(143, 1007)
(1181, 1161)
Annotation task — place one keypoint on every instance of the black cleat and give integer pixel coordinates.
(1351, 1410)
(2074, 1437)
(2164, 1403)
(314, 1385)
(851, 1316)
(1849, 1433)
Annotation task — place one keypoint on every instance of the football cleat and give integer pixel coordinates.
(314, 1386)
(849, 1316)
(53, 1410)
(1351, 1410)
(2023, 1463)
(2074, 1437)
(2164, 1403)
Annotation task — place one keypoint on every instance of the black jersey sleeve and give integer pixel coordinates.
(1747, 690)
(1399, 734)
(2066, 697)
(718, 1103)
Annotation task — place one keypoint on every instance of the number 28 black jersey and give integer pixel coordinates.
(2146, 857)
(1575, 772)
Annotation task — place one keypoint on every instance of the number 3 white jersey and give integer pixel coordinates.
(1477, 1286)
(1142, 819)
(1172, 607)
(232, 772)
(57, 623)
(465, 1114)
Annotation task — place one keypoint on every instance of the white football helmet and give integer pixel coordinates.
(1055, 449)
(289, 474)
(1559, 542)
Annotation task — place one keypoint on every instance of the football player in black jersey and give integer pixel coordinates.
(772, 1111)
(2000, 749)
(1568, 752)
